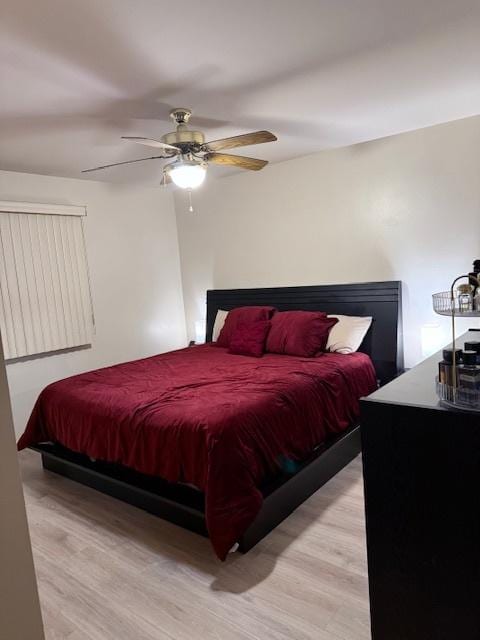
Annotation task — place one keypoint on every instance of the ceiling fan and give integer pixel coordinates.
(192, 154)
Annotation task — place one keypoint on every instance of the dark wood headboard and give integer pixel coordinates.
(381, 300)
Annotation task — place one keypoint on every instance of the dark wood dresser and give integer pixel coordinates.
(422, 494)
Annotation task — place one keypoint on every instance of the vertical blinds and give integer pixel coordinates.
(45, 302)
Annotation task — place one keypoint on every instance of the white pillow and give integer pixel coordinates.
(347, 335)
(218, 324)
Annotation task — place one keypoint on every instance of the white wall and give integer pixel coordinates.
(132, 250)
(405, 207)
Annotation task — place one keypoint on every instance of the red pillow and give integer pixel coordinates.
(248, 338)
(299, 333)
(242, 315)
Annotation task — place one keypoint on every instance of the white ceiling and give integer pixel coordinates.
(76, 75)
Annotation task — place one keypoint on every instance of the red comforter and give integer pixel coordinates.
(201, 415)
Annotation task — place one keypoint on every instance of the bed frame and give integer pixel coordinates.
(283, 493)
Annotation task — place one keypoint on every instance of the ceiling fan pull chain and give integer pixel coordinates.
(190, 208)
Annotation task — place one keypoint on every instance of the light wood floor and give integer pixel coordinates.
(108, 571)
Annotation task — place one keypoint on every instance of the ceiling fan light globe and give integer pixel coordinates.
(187, 175)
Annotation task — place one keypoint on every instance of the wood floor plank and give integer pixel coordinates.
(107, 570)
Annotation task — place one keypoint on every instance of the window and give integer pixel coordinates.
(45, 302)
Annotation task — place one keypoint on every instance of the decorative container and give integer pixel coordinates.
(458, 303)
(444, 304)
(467, 399)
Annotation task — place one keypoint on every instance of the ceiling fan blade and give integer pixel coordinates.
(253, 164)
(152, 143)
(243, 140)
(116, 164)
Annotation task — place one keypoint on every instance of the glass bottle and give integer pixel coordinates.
(473, 345)
(465, 298)
(445, 367)
(476, 300)
(469, 372)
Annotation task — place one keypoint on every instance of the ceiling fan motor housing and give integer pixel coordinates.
(183, 137)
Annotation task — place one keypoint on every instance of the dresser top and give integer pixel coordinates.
(416, 387)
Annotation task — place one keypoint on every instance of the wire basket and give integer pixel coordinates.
(460, 397)
(444, 304)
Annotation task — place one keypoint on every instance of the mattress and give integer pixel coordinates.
(202, 416)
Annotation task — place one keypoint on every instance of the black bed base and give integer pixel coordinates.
(184, 505)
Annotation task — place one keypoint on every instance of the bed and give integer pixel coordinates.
(224, 445)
